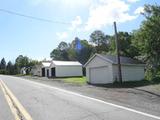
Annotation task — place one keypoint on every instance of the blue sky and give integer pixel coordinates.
(36, 39)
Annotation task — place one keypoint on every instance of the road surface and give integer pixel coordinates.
(44, 102)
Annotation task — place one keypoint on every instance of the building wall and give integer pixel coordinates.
(66, 71)
(47, 68)
(129, 72)
(37, 71)
(98, 64)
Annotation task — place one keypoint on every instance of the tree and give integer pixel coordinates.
(125, 45)
(100, 40)
(147, 39)
(86, 52)
(63, 46)
(10, 68)
(3, 64)
(60, 53)
(21, 61)
(97, 37)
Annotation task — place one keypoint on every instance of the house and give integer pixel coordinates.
(55, 68)
(41, 70)
(23, 71)
(103, 69)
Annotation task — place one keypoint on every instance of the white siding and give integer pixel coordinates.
(100, 75)
(66, 71)
(47, 68)
(37, 71)
(99, 71)
(129, 72)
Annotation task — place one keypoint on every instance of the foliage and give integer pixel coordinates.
(70, 51)
(21, 61)
(147, 39)
(100, 40)
(125, 45)
(3, 64)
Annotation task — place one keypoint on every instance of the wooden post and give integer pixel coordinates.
(118, 54)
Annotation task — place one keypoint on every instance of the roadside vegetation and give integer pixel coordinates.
(142, 44)
(74, 80)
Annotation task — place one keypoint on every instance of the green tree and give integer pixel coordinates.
(21, 61)
(86, 52)
(3, 66)
(63, 46)
(125, 45)
(100, 40)
(147, 39)
(60, 53)
(10, 68)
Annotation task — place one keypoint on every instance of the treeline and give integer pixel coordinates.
(142, 44)
(11, 68)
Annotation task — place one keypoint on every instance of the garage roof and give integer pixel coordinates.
(67, 63)
(124, 60)
(113, 59)
(46, 64)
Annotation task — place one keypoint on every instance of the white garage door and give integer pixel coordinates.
(100, 75)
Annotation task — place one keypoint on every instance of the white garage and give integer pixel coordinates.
(65, 69)
(103, 69)
(55, 68)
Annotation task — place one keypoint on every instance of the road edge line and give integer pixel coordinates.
(16, 102)
(9, 102)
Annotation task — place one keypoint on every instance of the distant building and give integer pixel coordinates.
(23, 71)
(103, 69)
(55, 68)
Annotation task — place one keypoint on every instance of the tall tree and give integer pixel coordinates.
(21, 61)
(63, 46)
(147, 39)
(125, 45)
(60, 53)
(3, 64)
(100, 40)
(10, 68)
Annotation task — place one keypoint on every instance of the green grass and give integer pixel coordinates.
(75, 80)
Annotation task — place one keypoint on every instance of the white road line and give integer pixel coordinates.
(94, 99)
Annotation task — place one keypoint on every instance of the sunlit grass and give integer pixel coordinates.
(75, 80)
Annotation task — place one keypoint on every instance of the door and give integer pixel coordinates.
(53, 71)
(100, 75)
(47, 72)
(43, 72)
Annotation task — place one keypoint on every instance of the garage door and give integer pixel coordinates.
(100, 75)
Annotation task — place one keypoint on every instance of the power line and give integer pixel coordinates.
(32, 17)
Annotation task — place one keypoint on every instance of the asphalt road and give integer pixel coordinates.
(5, 113)
(44, 102)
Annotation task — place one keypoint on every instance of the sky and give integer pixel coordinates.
(70, 18)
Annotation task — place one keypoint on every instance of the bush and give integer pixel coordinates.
(2, 71)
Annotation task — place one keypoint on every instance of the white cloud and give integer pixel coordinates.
(107, 11)
(62, 35)
(132, 1)
(139, 10)
(76, 23)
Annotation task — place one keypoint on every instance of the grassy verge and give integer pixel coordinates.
(75, 80)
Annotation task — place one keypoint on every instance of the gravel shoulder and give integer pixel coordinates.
(145, 98)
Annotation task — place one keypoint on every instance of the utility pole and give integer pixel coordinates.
(118, 54)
